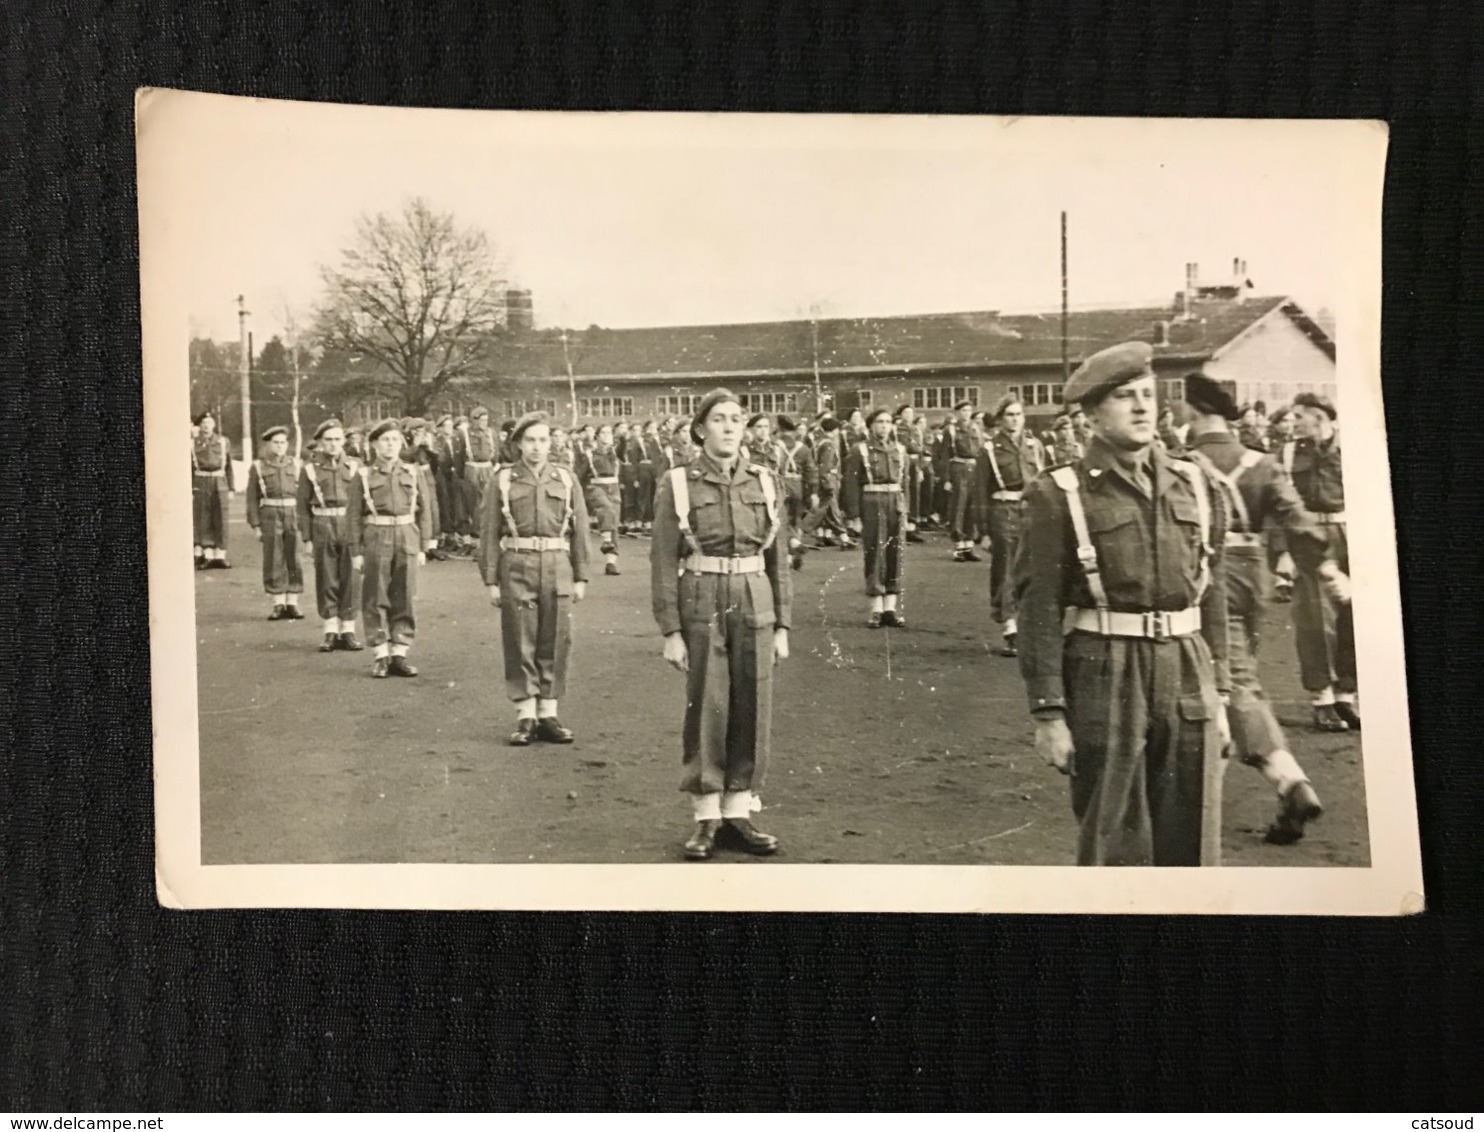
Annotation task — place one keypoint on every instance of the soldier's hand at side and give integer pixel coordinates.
(1284, 569)
(1336, 584)
(676, 654)
(259, 532)
(780, 645)
(1054, 743)
(495, 596)
(422, 558)
(579, 591)
(1224, 727)
(854, 525)
(814, 502)
(358, 562)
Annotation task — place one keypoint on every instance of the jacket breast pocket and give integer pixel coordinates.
(1118, 535)
(1185, 516)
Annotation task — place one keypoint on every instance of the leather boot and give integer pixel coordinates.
(1299, 806)
(380, 667)
(400, 666)
(330, 643)
(349, 643)
(741, 833)
(550, 730)
(524, 733)
(702, 843)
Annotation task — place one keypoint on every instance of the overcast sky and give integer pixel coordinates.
(632, 220)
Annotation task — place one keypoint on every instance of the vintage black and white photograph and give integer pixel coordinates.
(794, 513)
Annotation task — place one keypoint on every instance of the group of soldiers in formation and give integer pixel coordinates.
(1132, 552)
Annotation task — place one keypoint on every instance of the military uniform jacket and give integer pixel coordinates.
(324, 482)
(446, 456)
(213, 454)
(270, 478)
(881, 463)
(395, 489)
(729, 518)
(1317, 474)
(1149, 555)
(827, 461)
(598, 463)
(1266, 499)
(541, 506)
(481, 445)
(642, 450)
(797, 464)
(1007, 465)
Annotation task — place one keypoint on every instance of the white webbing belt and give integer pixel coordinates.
(1150, 626)
(707, 564)
(514, 543)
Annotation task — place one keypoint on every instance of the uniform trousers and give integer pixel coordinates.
(389, 585)
(1255, 730)
(450, 503)
(1325, 629)
(536, 622)
(728, 624)
(644, 494)
(209, 511)
(475, 481)
(337, 585)
(965, 510)
(282, 573)
(1003, 521)
(1143, 718)
(881, 537)
(605, 504)
(628, 500)
(794, 502)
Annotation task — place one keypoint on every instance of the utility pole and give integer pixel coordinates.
(291, 329)
(244, 371)
(1066, 370)
(571, 378)
(814, 336)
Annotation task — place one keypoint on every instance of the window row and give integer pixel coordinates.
(944, 396)
(605, 408)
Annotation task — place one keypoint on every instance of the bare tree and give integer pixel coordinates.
(417, 293)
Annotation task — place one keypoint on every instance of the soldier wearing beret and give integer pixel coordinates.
(390, 521)
(723, 599)
(481, 449)
(326, 484)
(272, 511)
(909, 433)
(212, 486)
(1324, 627)
(642, 459)
(355, 444)
(829, 457)
(958, 452)
(874, 498)
(1259, 497)
(533, 555)
(1065, 447)
(800, 480)
(1009, 460)
(419, 452)
(1122, 606)
(447, 474)
(600, 472)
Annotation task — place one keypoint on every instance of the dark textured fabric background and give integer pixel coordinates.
(106, 1001)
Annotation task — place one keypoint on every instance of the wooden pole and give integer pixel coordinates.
(1066, 365)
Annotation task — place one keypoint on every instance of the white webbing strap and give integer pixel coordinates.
(770, 497)
(314, 482)
(1065, 478)
(1287, 455)
(366, 489)
(994, 465)
(502, 485)
(1229, 482)
(567, 511)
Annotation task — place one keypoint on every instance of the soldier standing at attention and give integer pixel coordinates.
(600, 471)
(533, 555)
(1122, 595)
(446, 476)
(272, 511)
(800, 484)
(1065, 447)
(390, 521)
(646, 457)
(355, 446)
(419, 453)
(1259, 495)
(1323, 626)
(211, 486)
(481, 450)
(874, 496)
(909, 434)
(958, 451)
(1009, 460)
(328, 479)
(722, 598)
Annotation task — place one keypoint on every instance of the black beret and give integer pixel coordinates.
(1004, 403)
(871, 416)
(752, 421)
(325, 426)
(517, 430)
(276, 430)
(710, 401)
(444, 417)
(1207, 396)
(1279, 414)
(1106, 370)
(830, 424)
(202, 415)
(786, 424)
(963, 405)
(1315, 401)
(385, 427)
(478, 411)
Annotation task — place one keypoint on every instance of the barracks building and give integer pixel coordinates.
(1265, 348)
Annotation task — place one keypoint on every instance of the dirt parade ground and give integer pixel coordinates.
(889, 746)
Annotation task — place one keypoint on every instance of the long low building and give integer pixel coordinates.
(1267, 348)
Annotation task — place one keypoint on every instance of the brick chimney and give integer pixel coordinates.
(519, 313)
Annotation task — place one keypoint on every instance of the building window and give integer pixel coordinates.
(373, 409)
(1173, 389)
(605, 408)
(1038, 393)
(863, 398)
(770, 402)
(680, 405)
(514, 409)
(944, 396)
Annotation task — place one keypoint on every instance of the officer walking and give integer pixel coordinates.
(723, 596)
(1259, 496)
(1324, 626)
(533, 554)
(212, 485)
(1122, 606)
(272, 511)
(328, 481)
(1010, 459)
(874, 497)
(390, 519)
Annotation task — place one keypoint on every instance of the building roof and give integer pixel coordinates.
(945, 343)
